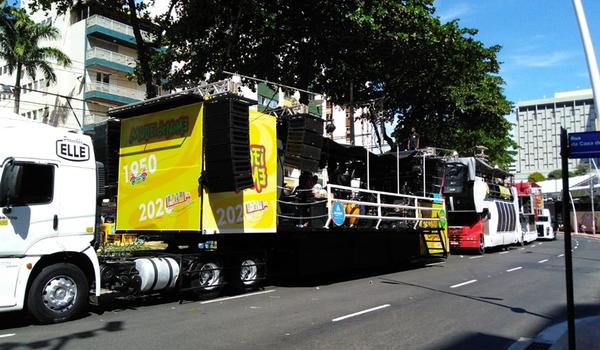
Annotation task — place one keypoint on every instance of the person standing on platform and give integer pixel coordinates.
(413, 140)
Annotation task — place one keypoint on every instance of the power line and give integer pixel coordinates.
(56, 106)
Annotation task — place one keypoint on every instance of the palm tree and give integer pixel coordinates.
(20, 39)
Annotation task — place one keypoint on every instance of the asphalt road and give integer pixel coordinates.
(467, 302)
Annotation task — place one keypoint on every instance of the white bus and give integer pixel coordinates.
(483, 207)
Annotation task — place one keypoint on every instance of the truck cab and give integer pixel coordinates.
(47, 218)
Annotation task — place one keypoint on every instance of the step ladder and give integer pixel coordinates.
(433, 242)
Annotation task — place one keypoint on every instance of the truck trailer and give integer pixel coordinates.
(206, 175)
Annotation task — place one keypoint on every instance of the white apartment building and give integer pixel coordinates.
(102, 49)
(538, 124)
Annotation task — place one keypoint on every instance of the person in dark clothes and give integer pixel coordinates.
(413, 140)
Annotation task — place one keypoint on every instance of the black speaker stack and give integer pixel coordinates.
(105, 139)
(227, 145)
(304, 142)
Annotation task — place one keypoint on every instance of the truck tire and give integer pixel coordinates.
(249, 273)
(58, 293)
(481, 249)
(208, 282)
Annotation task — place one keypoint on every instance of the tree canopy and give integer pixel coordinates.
(536, 177)
(429, 74)
(20, 39)
(432, 75)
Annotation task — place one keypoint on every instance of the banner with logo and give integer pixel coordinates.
(159, 166)
(253, 209)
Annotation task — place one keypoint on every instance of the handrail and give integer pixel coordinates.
(416, 207)
(116, 26)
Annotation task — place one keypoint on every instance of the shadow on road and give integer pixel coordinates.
(57, 343)
(486, 300)
(475, 341)
(323, 279)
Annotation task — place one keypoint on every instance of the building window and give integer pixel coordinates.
(103, 77)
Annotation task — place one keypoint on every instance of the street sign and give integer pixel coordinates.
(584, 145)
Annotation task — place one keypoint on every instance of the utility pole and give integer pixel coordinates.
(590, 57)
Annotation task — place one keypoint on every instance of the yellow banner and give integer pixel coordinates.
(254, 209)
(159, 166)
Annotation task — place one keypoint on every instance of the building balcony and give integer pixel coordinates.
(110, 29)
(109, 59)
(112, 93)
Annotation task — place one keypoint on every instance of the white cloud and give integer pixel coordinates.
(455, 12)
(540, 61)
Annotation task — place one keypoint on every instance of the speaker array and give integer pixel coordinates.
(105, 139)
(304, 142)
(227, 146)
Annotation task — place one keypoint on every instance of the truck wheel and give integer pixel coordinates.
(481, 249)
(58, 293)
(208, 281)
(250, 274)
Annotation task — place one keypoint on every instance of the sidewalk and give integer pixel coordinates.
(587, 333)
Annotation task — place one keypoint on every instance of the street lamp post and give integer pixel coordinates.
(590, 57)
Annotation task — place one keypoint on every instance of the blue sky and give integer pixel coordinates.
(542, 51)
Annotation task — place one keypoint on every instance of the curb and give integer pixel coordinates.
(596, 236)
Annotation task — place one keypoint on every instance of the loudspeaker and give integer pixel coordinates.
(304, 142)
(105, 139)
(227, 145)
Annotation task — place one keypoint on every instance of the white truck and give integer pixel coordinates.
(186, 179)
(543, 225)
(47, 219)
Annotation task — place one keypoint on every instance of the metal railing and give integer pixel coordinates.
(111, 56)
(115, 90)
(116, 26)
(403, 208)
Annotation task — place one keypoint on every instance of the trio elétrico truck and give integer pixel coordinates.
(206, 174)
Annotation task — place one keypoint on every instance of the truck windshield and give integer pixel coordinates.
(463, 218)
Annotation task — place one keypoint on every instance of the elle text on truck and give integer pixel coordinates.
(203, 185)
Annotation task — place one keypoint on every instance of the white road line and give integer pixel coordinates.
(542, 261)
(463, 284)
(7, 335)
(560, 255)
(504, 252)
(533, 246)
(361, 312)
(237, 296)
(521, 248)
(540, 243)
(437, 263)
(476, 257)
(514, 269)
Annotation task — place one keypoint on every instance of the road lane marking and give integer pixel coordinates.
(560, 255)
(463, 284)
(521, 248)
(542, 261)
(540, 243)
(514, 269)
(361, 312)
(504, 252)
(7, 335)
(237, 296)
(533, 246)
(476, 257)
(437, 263)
